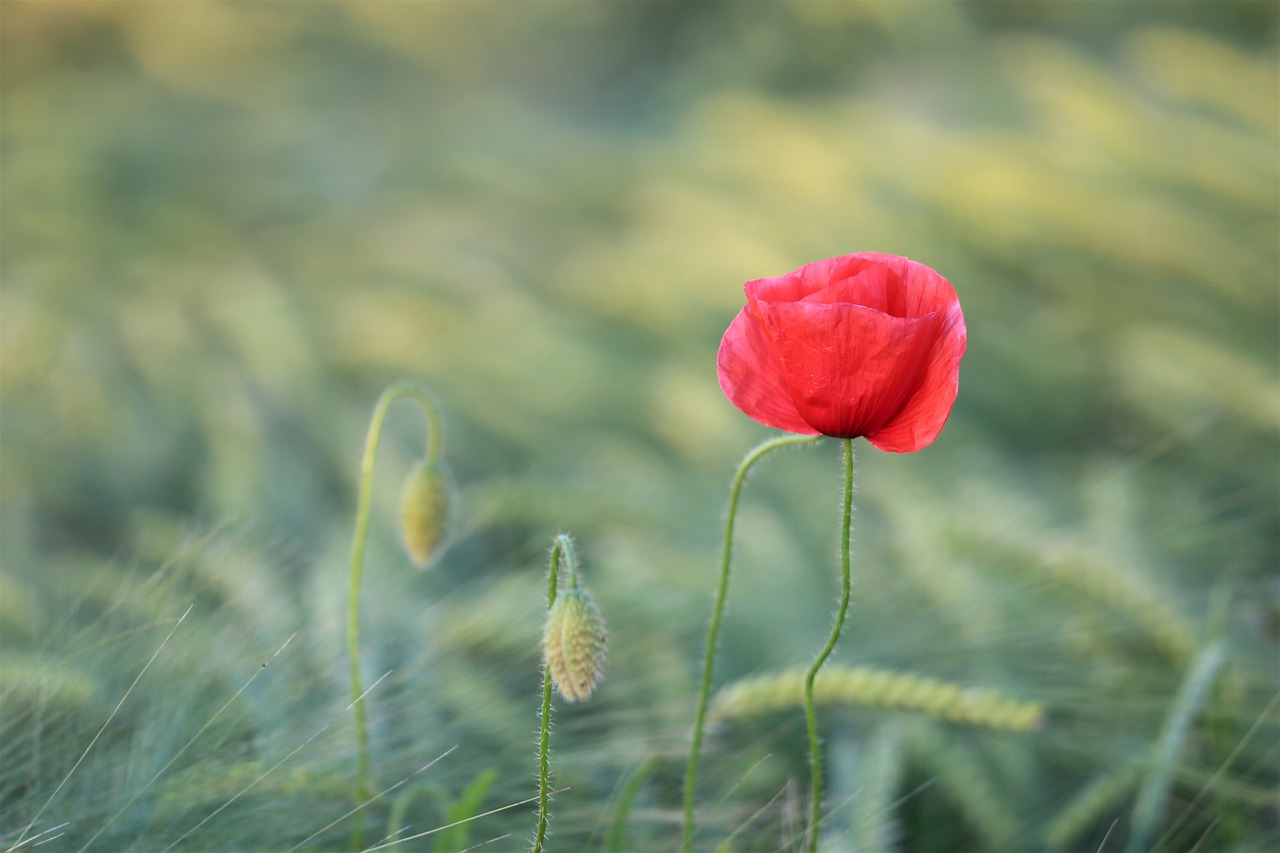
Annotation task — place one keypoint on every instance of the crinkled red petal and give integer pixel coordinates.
(751, 377)
(849, 370)
(926, 412)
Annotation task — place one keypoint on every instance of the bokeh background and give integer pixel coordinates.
(227, 226)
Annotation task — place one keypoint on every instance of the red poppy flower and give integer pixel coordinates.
(860, 345)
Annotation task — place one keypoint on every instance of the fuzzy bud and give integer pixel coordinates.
(574, 644)
(424, 507)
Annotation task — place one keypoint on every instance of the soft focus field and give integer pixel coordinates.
(226, 227)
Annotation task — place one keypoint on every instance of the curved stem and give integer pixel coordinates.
(563, 544)
(810, 717)
(722, 591)
(393, 392)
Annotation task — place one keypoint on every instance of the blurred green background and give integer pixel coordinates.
(226, 226)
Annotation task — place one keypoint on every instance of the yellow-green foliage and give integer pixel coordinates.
(879, 767)
(208, 785)
(1119, 589)
(1103, 797)
(41, 685)
(226, 225)
(965, 777)
(873, 687)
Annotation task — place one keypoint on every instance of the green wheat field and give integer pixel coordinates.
(225, 227)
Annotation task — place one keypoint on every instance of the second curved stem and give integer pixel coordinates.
(563, 545)
(810, 717)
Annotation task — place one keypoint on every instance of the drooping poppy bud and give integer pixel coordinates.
(424, 509)
(573, 645)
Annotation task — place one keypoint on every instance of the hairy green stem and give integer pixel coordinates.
(722, 591)
(562, 545)
(395, 391)
(810, 717)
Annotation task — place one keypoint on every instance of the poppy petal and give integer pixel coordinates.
(805, 282)
(751, 377)
(849, 369)
(924, 415)
(897, 286)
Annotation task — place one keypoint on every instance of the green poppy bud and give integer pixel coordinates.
(424, 506)
(574, 644)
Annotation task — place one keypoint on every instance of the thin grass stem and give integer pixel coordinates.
(617, 837)
(1215, 781)
(273, 768)
(110, 717)
(389, 844)
(186, 746)
(337, 820)
(1155, 789)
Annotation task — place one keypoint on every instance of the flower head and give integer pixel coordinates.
(860, 345)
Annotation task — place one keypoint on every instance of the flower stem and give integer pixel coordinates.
(563, 544)
(811, 720)
(393, 392)
(708, 660)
